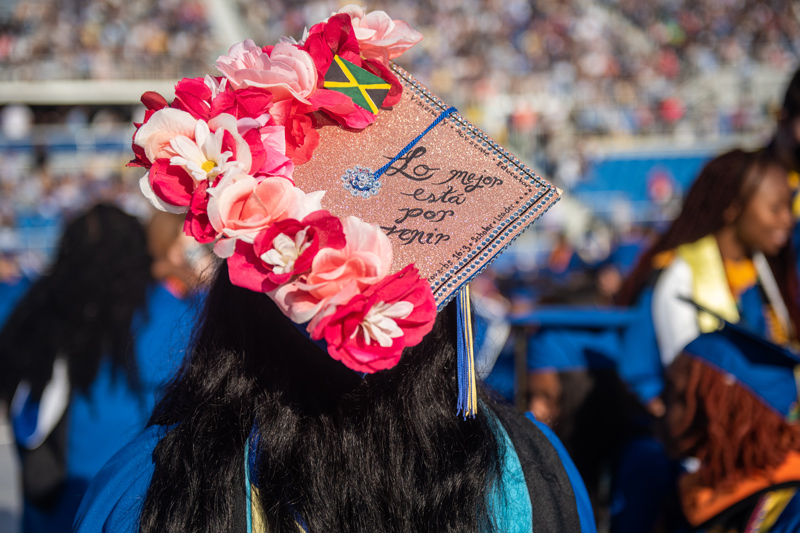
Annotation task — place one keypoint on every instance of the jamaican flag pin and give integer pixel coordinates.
(365, 89)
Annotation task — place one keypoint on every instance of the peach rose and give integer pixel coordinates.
(155, 135)
(240, 206)
(337, 275)
(380, 37)
(286, 72)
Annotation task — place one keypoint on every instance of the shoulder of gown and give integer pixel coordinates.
(114, 499)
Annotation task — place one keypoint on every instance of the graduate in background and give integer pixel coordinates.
(83, 357)
(731, 401)
(729, 250)
(785, 144)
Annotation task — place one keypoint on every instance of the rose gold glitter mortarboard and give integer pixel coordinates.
(450, 204)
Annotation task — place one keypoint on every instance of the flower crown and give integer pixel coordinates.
(224, 151)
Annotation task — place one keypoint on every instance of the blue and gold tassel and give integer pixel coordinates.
(467, 386)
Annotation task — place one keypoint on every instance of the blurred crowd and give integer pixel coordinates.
(707, 35)
(547, 77)
(104, 39)
(610, 67)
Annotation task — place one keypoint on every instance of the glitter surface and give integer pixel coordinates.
(450, 205)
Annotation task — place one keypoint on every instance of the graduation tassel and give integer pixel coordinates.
(467, 386)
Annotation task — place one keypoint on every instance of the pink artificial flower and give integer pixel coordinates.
(241, 206)
(276, 160)
(257, 150)
(287, 71)
(364, 260)
(369, 332)
(283, 251)
(380, 37)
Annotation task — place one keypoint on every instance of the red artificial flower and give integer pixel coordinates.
(197, 223)
(153, 101)
(252, 102)
(194, 96)
(369, 332)
(171, 183)
(327, 39)
(139, 159)
(301, 137)
(284, 250)
(336, 37)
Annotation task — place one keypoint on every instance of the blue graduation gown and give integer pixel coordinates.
(111, 413)
(114, 499)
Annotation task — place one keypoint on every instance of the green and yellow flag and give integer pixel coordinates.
(366, 89)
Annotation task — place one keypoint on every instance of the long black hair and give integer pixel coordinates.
(342, 453)
(82, 309)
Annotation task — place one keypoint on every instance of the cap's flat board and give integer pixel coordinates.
(450, 205)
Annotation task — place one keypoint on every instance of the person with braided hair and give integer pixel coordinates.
(731, 401)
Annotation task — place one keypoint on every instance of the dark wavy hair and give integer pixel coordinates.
(726, 180)
(382, 453)
(82, 309)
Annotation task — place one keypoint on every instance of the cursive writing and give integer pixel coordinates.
(448, 196)
(409, 235)
(415, 212)
(470, 181)
(419, 172)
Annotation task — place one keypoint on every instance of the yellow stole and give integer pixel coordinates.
(710, 287)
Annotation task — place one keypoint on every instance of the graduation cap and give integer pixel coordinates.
(767, 370)
(336, 183)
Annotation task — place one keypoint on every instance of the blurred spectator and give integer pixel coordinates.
(785, 144)
(82, 358)
(13, 285)
(180, 263)
(732, 407)
(104, 39)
